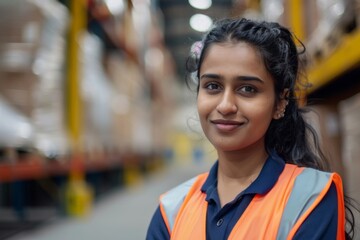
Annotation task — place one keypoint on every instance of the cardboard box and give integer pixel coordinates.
(350, 118)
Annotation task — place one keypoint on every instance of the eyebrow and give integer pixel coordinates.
(240, 78)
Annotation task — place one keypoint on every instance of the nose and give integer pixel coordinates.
(227, 104)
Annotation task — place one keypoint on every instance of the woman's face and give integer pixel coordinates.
(236, 99)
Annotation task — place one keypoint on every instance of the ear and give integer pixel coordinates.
(281, 105)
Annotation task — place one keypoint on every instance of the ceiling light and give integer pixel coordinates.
(273, 9)
(200, 4)
(116, 7)
(200, 22)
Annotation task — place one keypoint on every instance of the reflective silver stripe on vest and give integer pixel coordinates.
(308, 185)
(173, 199)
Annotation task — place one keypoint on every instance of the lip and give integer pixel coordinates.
(226, 125)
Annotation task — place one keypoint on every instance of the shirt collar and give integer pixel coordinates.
(267, 178)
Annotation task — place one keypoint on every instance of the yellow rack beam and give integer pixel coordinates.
(344, 58)
(77, 26)
(296, 11)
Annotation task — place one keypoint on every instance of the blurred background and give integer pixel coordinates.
(96, 120)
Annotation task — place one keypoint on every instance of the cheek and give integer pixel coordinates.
(205, 107)
(202, 108)
(260, 111)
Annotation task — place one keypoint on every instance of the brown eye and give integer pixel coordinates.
(212, 86)
(248, 89)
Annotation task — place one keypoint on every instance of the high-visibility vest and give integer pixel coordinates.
(278, 214)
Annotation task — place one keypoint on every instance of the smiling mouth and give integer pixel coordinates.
(226, 125)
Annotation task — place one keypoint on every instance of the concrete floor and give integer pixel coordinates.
(123, 214)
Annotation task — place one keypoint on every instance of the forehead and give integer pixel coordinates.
(236, 50)
(234, 58)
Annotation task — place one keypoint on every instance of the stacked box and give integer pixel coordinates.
(326, 23)
(32, 44)
(140, 75)
(325, 120)
(20, 28)
(350, 117)
(357, 12)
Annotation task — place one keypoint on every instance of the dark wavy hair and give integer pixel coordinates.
(291, 136)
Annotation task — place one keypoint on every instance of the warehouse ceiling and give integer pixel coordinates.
(179, 36)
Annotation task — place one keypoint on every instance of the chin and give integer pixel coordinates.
(226, 147)
(229, 145)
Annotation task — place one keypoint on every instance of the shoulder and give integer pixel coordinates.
(312, 183)
(307, 175)
(171, 201)
(323, 220)
(157, 228)
(313, 191)
(310, 188)
(179, 192)
(317, 179)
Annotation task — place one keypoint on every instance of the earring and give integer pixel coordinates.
(281, 114)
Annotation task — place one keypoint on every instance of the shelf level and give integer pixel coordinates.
(344, 58)
(35, 168)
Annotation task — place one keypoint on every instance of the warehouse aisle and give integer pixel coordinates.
(123, 214)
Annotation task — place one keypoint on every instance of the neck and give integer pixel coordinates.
(237, 170)
(241, 164)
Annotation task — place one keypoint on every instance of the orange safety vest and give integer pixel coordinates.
(277, 214)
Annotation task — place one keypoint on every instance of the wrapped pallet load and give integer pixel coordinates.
(32, 45)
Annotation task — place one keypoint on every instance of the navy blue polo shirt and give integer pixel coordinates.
(321, 223)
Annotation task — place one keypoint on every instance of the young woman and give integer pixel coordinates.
(269, 181)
